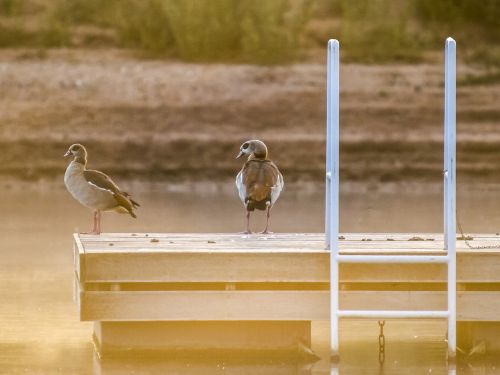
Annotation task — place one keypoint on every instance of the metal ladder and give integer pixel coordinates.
(332, 207)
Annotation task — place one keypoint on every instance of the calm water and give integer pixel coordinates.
(39, 328)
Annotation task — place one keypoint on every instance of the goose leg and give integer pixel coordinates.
(266, 231)
(94, 229)
(98, 215)
(248, 231)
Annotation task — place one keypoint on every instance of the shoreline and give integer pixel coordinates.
(226, 186)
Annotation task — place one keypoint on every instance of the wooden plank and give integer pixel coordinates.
(206, 305)
(273, 267)
(154, 244)
(220, 249)
(316, 239)
(207, 240)
(165, 238)
(278, 236)
(478, 306)
(393, 273)
(352, 248)
(370, 248)
(319, 236)
(303, 241)
(78, 256)
(415, 247)
(471, 268)
(76, 290)
(206, 267)
(272, 305)
(478, 268)
(389, 300)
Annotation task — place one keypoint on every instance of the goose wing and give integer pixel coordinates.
(100, 181)
(276, 190)
(242, 191)
(103, 182)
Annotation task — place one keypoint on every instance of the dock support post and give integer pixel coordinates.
(332, 186)
(449, 174)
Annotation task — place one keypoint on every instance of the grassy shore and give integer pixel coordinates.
(258, 31)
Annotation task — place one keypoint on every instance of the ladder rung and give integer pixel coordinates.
(380, 314)
(392, 258)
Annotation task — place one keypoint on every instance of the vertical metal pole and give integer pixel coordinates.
(450, 186)
(328, 175)
(445, 159)
(333, 201)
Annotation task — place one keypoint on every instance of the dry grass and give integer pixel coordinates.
(258, 31)
(250, 31)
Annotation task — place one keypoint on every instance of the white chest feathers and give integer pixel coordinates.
(87, 194)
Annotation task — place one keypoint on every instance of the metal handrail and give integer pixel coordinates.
(332, 204)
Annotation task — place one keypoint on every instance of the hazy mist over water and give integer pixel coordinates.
(40, 332)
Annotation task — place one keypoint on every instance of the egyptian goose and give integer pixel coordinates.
(259, 182)
(94, 189)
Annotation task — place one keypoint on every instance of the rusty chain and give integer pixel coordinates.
(381, 343)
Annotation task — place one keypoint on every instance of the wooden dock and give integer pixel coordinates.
(177, 291)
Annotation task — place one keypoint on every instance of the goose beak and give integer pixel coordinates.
(68, 153)
(240, 155)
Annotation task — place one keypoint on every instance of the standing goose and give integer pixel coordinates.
(94, 189)
(259, 182)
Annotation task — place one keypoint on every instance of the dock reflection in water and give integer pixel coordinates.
(40, 332)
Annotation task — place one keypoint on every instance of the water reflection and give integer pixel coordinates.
(40, 332)
(200, 365)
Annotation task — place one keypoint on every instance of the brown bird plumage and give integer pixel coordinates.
(102, 181)
(94, 189)
(259, 177)
(259, 182)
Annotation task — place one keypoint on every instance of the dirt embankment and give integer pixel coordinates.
(157, 120)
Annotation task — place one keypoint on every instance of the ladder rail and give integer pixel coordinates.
(398, 259)
(393, 314)
(332, 177)
(449, 177)
(332, 206)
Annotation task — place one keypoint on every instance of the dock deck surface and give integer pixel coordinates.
(350, 243)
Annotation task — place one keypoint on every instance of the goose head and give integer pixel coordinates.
(254, 149)
(78, 151)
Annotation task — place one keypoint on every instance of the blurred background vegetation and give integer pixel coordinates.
(258, 31)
